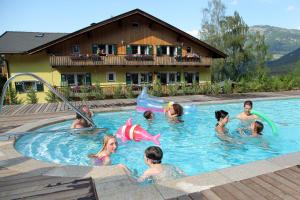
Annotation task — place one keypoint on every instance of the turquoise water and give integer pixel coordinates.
(192, 146)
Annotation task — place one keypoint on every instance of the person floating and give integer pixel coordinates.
(110, 146)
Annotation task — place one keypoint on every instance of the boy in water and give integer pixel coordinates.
(149, 115)
(256, 128)
(156, 171)
(246, 114)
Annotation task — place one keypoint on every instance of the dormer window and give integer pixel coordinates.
(135, 24)
(76, 49)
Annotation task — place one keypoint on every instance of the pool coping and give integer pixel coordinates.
(113, 183)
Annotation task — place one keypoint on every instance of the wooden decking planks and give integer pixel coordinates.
(14, 185)
(282, 184)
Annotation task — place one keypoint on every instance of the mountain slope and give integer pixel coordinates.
(281, 41)
(286, 63)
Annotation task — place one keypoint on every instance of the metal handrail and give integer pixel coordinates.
(50, 88)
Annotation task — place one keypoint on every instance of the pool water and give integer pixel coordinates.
(192, 145)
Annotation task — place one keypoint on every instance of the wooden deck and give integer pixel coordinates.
(282, 184)
(29, 186)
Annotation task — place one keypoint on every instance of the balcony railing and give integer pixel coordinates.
(123, 60)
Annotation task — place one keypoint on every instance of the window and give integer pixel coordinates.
(166, 50)
(189, 49)
(169, 77)
(191, 77)
(172, 51)
(111, 76)
(76, 49)
(75, 79)
(102, 49)
(26, 86)
(134, 49)
(138, 78)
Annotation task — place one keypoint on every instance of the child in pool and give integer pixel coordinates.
(79, 122)
(174, 112)
(223, 118)
(149, 115)
(246, 114)
(157, 171)
(110, 146)
(255, 129)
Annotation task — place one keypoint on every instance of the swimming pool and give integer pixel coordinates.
(192, 146)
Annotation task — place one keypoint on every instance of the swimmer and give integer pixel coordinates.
(79, 122)
(223, 118)
(255, 129)
(174, 112)
(110, 145)
(246, 114)
(157, 171)
(149, 115)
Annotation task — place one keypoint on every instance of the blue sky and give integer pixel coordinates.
(71, 15)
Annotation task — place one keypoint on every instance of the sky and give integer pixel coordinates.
(66, 16)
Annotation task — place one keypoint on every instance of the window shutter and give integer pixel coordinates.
(128, 50)
(88, 80)
(186, 76)
(178, 77)
(19, 86)
(150, 47)
(158, 50)
(179, 51)
(128, 79)
(197, 77)
(115, 49)
(39, 87)
(150, 77)
(63, 80)
(94, 48)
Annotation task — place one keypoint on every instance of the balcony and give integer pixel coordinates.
(127, 60)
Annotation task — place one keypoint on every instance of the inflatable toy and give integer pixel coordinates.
(136, 133)
(267, 119)
(147, 102)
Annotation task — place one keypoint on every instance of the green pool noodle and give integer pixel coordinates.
(267, 119)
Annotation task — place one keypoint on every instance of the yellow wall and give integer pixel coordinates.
(39, 64)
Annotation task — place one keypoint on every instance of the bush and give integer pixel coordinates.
(84, 92)
(118, 92)
(51, 97)
(227, 87)
(216, 89)
(98, 93)
(157, 90)
(129, 92)
(31, 96)
(12, 97)
(172, 90)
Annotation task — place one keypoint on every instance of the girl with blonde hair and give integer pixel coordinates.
(110, 146)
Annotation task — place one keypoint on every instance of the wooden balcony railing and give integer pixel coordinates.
(123, 60)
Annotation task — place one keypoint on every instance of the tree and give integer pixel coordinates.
(211, 23)
(246, 52)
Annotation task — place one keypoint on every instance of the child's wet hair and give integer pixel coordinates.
(259, 127)
(220, 114)
(178, 109)
(148, 114)
(154, 153)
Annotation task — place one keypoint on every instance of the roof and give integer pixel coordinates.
(16, 42)
(21, 42)
(217, 53)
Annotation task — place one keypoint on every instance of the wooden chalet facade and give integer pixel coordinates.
(132, 48)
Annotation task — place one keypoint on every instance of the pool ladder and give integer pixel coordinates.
(50, 88)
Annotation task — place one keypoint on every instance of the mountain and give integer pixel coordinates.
(286, 63)
(281, 41)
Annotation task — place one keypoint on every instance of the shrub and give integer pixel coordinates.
(12, 96)
(157, 90)
(84, 92)
(51, 97)
(227, 87)
(172, 90)
(98, 93)
(129, 92)
(216, 89)
(31, 96)
(118, 92)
